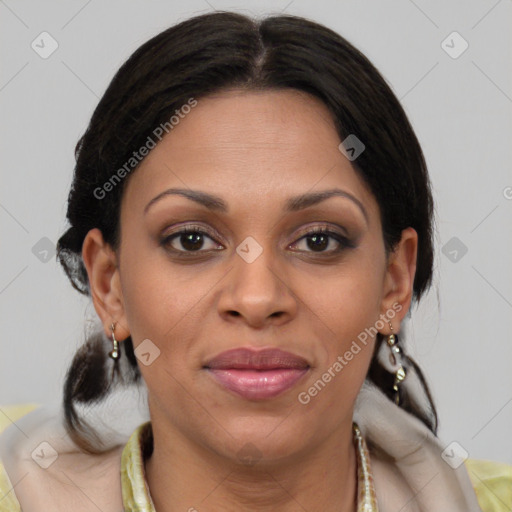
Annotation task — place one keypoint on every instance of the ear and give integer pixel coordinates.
(399, 279)
(101, 264)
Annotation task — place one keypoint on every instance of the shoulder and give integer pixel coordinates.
(11, 413)
(8, 415)
(492, 482)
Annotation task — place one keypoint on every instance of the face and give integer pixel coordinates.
(240, 263)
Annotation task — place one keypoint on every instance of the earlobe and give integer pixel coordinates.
(399, 278)
(101, 265)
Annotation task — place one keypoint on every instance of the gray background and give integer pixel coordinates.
(459, 107)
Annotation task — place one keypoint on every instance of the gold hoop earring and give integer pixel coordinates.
(114, 354)
(396, 360)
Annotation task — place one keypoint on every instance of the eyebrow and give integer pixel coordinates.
(292, 204)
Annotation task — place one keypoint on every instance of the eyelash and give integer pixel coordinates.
(200, 230)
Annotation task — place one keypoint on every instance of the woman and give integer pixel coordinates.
(251, 215)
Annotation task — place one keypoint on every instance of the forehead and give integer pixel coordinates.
(249, 145)
(260, 121)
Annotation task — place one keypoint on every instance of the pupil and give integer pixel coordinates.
(318, 242)
(192, 241)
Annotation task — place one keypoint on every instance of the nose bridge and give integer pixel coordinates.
(255, 269)
(257, 288)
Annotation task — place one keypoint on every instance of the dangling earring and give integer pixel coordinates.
(396, 360)
(115, 354)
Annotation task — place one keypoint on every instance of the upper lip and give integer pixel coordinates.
(262, 359)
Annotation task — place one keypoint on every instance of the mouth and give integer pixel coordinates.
(257, 375)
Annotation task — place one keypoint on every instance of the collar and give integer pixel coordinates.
(136, 495)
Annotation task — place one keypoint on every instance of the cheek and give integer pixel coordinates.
(348, 301)
(163, 302)
(348, 306)
(149, 293)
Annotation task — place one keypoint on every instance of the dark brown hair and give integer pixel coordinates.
(214, 52)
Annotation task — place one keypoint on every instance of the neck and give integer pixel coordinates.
(184, 476)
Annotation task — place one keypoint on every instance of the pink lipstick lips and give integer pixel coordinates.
(257, 374)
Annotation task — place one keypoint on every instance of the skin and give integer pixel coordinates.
(254, 150)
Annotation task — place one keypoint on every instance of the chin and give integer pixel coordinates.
(266, 440)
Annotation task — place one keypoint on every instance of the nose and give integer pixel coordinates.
(257, 291)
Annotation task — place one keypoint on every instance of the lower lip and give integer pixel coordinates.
(258, 385)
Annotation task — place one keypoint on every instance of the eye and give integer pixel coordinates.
(194, 239)
(190, 239)
(323, 240)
